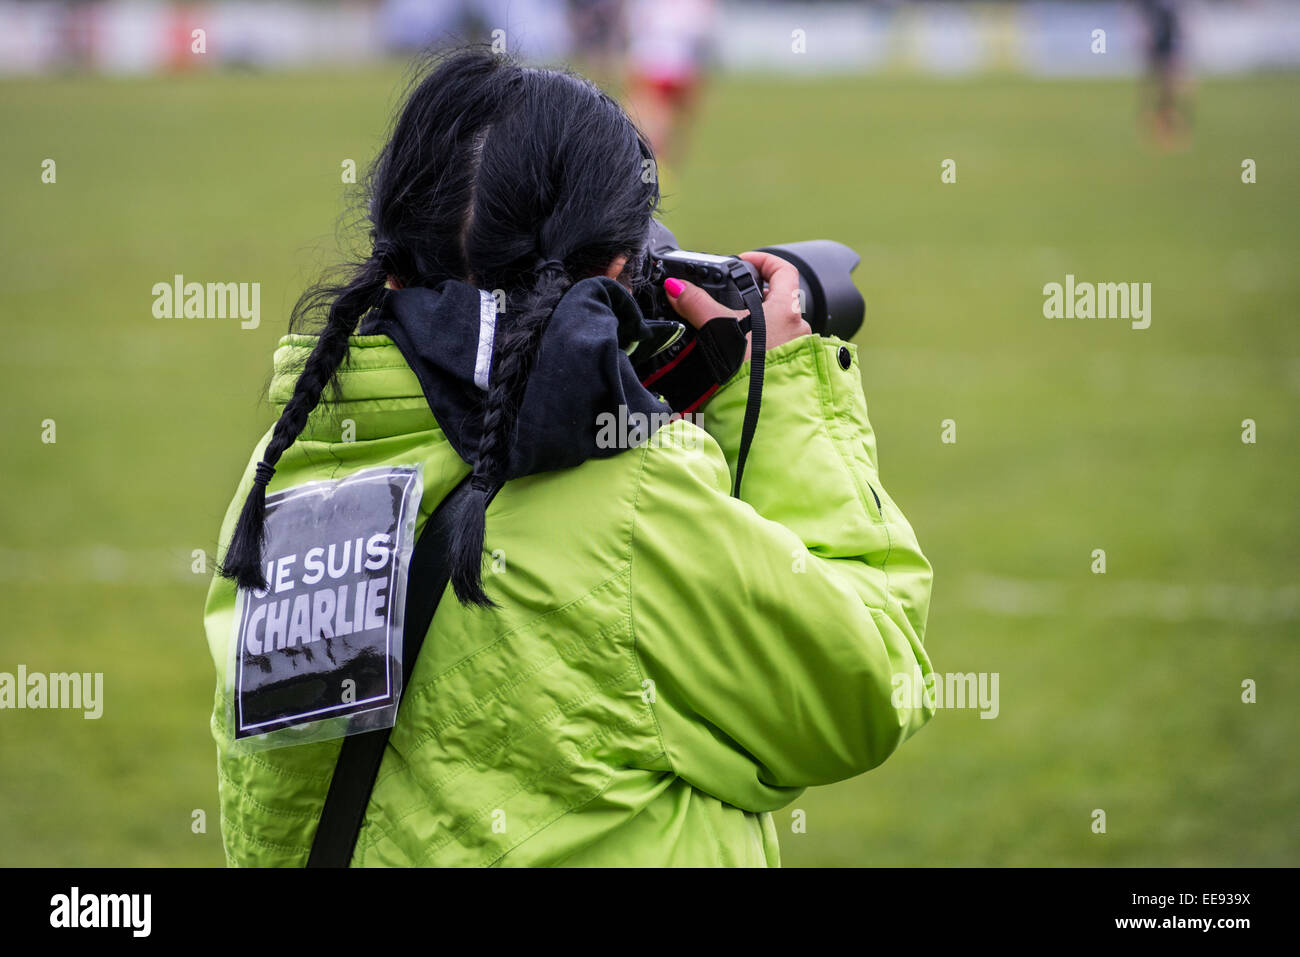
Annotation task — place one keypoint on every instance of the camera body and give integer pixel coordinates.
(831, 304)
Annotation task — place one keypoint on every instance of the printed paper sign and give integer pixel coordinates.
(325, 638)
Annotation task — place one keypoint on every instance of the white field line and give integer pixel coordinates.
(1110, 597)
(100, 564)
(1110, 370)
(1095, 597)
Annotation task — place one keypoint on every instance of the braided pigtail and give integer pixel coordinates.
(515, 349)
(243, 558)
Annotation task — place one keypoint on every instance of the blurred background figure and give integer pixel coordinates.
(670, 43)
(598, 40)
(1166, 112)
(532, 28)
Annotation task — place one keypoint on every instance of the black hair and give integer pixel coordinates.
(503, 176)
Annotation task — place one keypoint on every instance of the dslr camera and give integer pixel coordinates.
(830, 303)
(686, 366)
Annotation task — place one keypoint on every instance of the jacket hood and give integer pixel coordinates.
(581, 377)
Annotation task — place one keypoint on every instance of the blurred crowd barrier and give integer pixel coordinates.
(1038, 38)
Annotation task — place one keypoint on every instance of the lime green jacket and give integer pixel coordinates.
(667, 665)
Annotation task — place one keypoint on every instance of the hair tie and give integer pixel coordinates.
(480, 483)
(383, 253)
(262, 474)
(549, 265)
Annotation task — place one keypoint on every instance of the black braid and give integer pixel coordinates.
(515, 348)
(243, 558)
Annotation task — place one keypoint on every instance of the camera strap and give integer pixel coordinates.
(753, 298)
(358, 765)
(687, 373)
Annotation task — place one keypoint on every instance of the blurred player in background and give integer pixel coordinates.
(669, 43)
(598, 34)
(1164, 107)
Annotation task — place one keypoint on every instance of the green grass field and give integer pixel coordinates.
(1119, 692)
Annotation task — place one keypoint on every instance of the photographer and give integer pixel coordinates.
(632, 666)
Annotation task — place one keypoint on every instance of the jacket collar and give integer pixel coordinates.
(582, 375)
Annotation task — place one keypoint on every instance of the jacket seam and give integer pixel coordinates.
(246, 796)
(249, 838)
(426, 687)
(252, 758)
(718, 845)
(533, 668)
(770, 360)
(393, 829)
(538, 830)
(828, 414)
(599, 734)
(537, 724)
(354, 370)
(548, 771)
(824, 392)
(631, 612)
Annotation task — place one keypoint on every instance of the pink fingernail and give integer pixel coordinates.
(674, 287)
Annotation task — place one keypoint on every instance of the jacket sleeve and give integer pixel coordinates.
(774, 628)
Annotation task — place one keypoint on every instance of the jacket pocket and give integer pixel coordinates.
(875, 497)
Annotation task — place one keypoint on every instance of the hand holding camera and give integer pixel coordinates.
(741, 307)
(781, 301)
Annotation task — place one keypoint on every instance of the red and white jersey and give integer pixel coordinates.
(670, 39)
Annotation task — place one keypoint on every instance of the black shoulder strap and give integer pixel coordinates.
(354, 775)
(753, 298)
